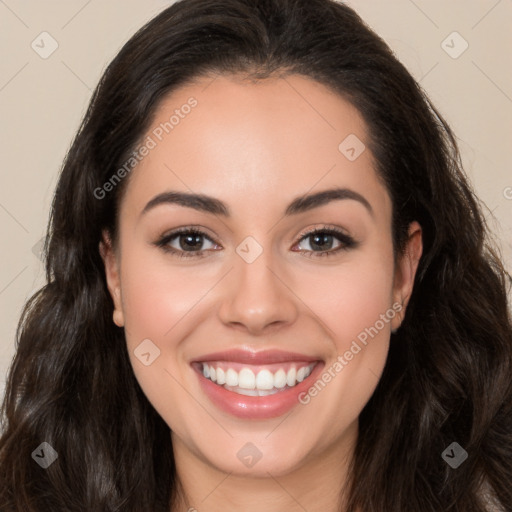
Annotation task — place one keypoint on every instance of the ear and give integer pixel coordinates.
(405, 271)
(111, 263)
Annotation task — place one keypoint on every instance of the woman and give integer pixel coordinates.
(269, 286)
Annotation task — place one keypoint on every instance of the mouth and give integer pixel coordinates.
(256, 381)
(256, 385)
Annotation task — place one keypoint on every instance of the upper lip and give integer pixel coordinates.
(251, 357)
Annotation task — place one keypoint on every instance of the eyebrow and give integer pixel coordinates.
(214, 206)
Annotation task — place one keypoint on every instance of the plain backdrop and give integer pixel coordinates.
(459, 51)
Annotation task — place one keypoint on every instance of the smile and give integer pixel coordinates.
(255, 385)
(257, 381)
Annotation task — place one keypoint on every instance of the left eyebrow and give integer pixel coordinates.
(308, 202)
(214, 206)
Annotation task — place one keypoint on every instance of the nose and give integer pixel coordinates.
(256, 297)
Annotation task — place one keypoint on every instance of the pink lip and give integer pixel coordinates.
(254, 358)
(254, 407)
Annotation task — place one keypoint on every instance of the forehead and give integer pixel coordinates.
(255, 143)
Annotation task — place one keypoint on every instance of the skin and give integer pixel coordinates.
(251, 144)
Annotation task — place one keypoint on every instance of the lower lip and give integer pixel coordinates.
(256, 407)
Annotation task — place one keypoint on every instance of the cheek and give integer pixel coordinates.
(158, 303)
(356, 305)
(157, 296)
(351, 296)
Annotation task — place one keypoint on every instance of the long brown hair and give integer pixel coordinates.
(449, 369)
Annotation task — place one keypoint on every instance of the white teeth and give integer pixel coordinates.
(264, 380)
(221, 376)
(247, 392)
(231, 377)
(252, 392)
(264, 383)
(263, 392)
(280, 379)
(290, 377)
(246, 379)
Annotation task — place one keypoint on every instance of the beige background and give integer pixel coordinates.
(42, 101)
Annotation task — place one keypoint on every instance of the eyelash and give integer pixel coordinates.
(347, 242)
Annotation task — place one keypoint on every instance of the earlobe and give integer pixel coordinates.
(406, 271)
(112, 276)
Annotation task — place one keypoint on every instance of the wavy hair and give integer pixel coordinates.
(448, 373)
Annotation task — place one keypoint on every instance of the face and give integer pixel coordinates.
(280, 291)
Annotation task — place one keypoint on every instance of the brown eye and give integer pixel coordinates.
(321, 241)
(185, 241)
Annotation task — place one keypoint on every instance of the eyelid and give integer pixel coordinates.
(345, 239)
(192, 228)
(323, 227)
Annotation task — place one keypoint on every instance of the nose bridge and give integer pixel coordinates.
(256, 296)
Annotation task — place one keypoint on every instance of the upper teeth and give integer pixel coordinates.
(263, 380)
